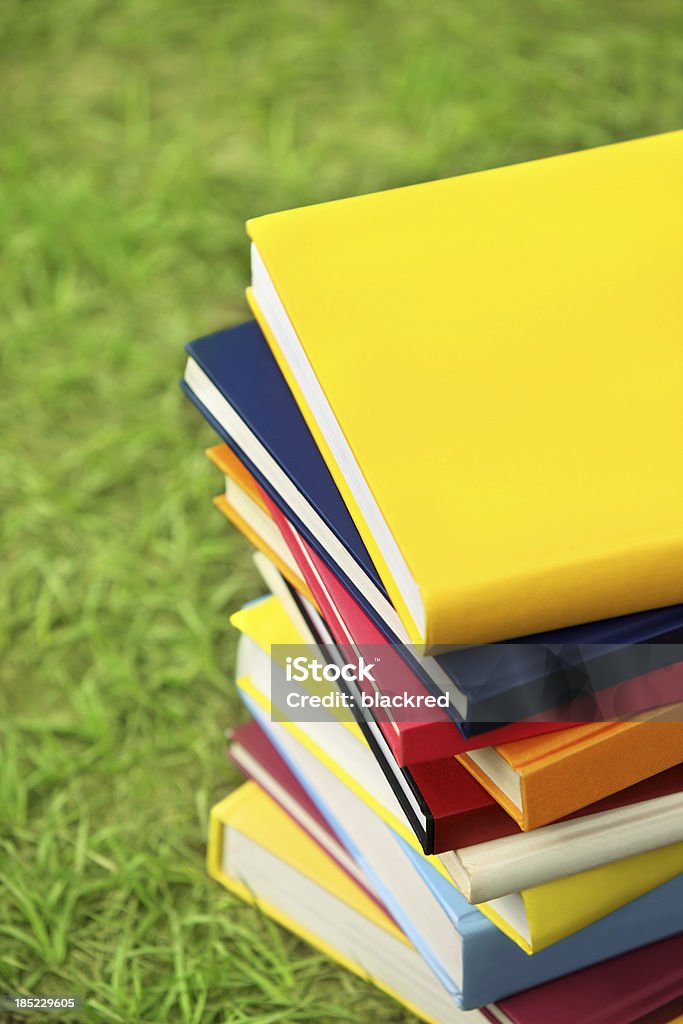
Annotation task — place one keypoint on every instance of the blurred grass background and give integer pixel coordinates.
(136, 139)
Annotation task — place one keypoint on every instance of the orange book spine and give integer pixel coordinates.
(610, 759)
(227, 462)
(571, 773)
(296, 581)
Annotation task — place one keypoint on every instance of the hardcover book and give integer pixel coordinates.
(233, 379)
(543, 778)
(497, 355)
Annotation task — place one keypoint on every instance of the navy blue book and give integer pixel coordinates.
(235, 382)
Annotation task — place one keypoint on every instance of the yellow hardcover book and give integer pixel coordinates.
(261, 855)
(252, 812)
(535, 918)
(491, 366)
(257, 852)
(267, 623)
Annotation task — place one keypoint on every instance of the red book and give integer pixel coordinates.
(462, 813)
(630, 988)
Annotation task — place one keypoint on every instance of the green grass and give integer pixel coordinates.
(137, 138)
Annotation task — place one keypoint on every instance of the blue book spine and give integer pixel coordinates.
(495, 967)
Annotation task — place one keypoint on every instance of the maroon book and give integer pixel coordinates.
(464, 813)
(635, 987)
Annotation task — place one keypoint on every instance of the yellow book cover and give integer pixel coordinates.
(543, 778)
(491, 365)
(354, 931)
(540, 915)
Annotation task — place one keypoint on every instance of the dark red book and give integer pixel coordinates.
(461, 813)
(634, 987)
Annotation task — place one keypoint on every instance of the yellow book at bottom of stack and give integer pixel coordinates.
(258, 852)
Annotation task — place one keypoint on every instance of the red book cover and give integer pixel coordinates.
(465, 814)
(626, 989)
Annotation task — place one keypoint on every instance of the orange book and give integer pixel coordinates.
(543, 778)
(228, 463)
(255, 538)
(243, 504)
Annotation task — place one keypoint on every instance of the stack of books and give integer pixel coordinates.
(451, 435)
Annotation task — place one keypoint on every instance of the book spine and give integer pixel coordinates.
(526, 860)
